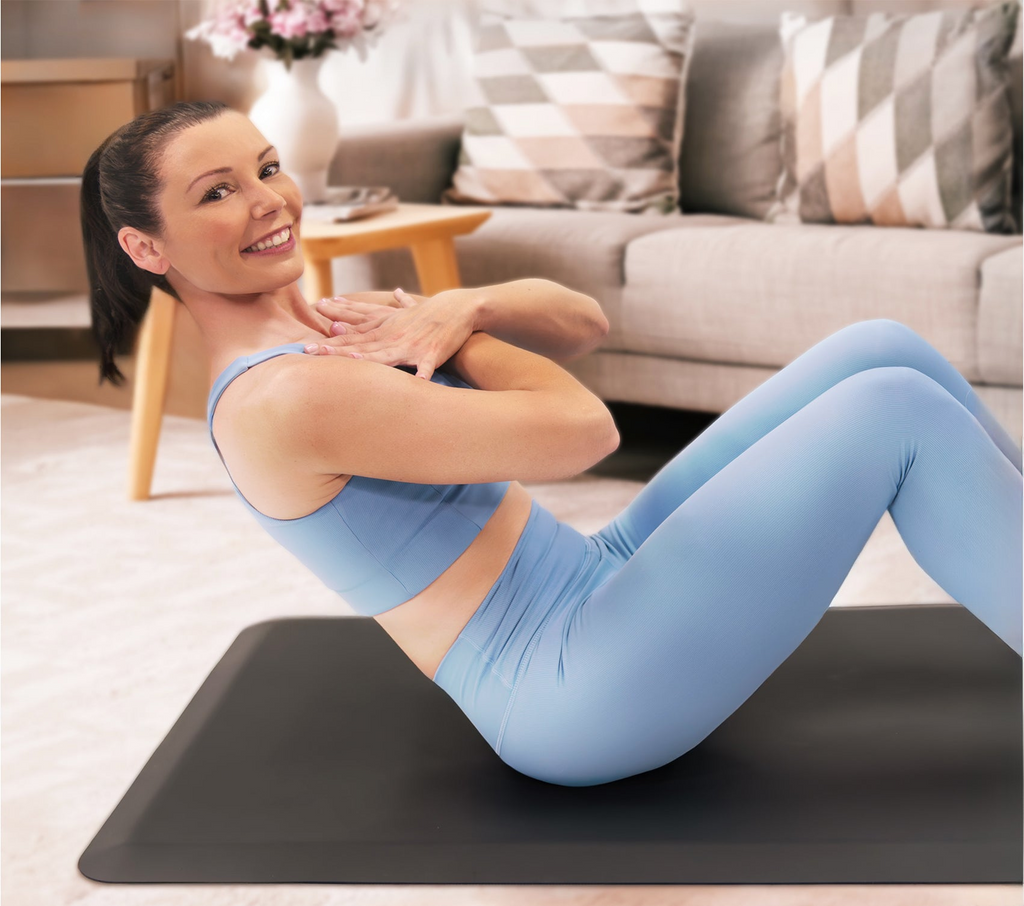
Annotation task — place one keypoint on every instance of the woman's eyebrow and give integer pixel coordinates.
(224, 169)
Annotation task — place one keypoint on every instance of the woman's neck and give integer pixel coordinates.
(238, 326)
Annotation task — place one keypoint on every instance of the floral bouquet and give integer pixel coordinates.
(295, 29)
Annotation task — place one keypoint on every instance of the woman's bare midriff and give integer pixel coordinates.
(425, 626)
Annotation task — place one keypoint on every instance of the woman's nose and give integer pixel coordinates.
(266, 200)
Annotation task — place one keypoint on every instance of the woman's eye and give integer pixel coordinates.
(210, 196)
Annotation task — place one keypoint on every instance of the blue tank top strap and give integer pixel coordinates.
(241, 364)
(238, 366)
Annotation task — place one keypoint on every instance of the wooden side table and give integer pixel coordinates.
(427, 230)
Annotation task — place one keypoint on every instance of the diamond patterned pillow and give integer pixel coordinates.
(576, 103)
(898, 120)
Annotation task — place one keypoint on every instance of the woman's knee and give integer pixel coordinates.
(886, 341)
(899, 389)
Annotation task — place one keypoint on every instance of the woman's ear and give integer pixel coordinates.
(143, 250)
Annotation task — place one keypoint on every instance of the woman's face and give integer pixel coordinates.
(212, 221)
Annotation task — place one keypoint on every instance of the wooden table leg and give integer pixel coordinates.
(436, 265)
(317, 280)
(152, 364)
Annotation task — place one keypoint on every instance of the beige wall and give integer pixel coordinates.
(88, 28)
(418, 69)
(35, 29)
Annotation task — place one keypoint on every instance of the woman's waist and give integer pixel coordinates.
(427, 624)
(550, 566)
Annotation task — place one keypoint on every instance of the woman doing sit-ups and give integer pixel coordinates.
(395, 477)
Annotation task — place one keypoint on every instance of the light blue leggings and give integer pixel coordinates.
(597, 657)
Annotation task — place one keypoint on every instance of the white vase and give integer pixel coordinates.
(301, 122)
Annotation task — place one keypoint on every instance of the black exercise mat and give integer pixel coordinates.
(887, 748)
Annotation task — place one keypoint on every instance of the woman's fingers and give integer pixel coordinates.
(339, 306)
(332, 307)
(404, 299)
(383, 348)
(327, 349)
(372, 328)
(368, 345)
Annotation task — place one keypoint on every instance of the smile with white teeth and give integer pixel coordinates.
(276, 239)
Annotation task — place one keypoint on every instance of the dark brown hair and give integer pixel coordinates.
(120, 187)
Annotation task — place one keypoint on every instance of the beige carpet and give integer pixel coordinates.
(114, 613)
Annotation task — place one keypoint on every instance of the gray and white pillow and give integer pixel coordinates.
(576, 104)
(898, 120)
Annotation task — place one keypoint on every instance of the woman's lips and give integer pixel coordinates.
(276, 249)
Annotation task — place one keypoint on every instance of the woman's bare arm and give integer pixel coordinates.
(362, 418)
(532, 313)
(541, 316)
(380, 297)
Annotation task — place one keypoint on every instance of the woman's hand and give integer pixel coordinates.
(421, 333)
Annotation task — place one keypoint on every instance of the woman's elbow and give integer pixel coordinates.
(606, 436)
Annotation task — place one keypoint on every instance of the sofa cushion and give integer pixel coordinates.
(731, 159)
(899, 120)
(576, 105)
(583, 250)
(1001, 319)
(761, 294)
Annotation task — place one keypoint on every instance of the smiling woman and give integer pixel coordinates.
(190, 199)
(580, 658)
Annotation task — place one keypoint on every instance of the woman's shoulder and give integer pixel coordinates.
(257, 400)
(249, 429)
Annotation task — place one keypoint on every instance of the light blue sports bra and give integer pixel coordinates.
(377, 543)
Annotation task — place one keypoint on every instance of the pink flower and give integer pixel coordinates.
(355, 23)
(290, 23)
(346, 24)
(342, 6)
(317, 21)
(252, 13)
(225, 34)
(226, 21)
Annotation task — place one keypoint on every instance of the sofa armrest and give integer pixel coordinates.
(415, 158)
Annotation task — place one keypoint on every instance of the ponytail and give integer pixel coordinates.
(117, 299)
(120, 187)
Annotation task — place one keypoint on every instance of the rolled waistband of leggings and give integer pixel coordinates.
(544, 564)
(480, 669)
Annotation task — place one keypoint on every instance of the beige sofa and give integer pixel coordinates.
(705, 305)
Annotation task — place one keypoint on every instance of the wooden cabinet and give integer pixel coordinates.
(54, 113)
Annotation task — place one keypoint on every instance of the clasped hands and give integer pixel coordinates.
(421, 331)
